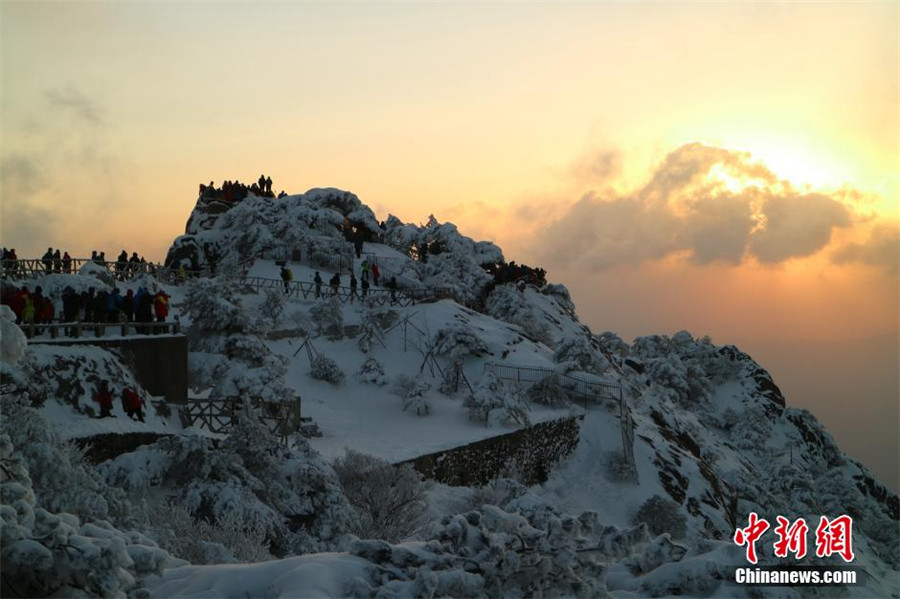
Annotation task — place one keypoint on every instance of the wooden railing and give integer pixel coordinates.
(217, 415)
(36, 267)
(99, 329)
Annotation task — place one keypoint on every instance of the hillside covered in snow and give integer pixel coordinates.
(679, 439)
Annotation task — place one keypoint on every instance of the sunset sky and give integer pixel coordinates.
(732, 169)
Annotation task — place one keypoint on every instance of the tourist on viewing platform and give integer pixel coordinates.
(365, 270)
(98, 308)
(47, 259)
(318, 281)
(161, 305)
(392, 285)
(134, 263)
(28, 311)
(262, 183)
(122, 265)
(101, 258)
(104, 397)
(143, 308)
(46, 312)
(87, 300)
(335, 282)
(128, 306)
(67, 263)
(352, 287)
(57, 262)
(132, 404)
(375, 273)
(286, 277)
(17, 303)
(113, 305)
(268, 185)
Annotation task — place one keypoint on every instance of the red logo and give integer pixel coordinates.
(833, 536)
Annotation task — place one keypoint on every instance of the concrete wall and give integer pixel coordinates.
(159, 362)
(532, 451)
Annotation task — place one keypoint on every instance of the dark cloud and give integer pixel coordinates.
(881, 249)
(797, 226)
(710, 204)
(71, 100)
(717, 228)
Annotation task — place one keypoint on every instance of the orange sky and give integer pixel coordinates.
(499, 117)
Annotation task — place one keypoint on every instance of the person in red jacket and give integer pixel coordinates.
(161, 305)
(132, 404)
(47, 311)
(104, 398)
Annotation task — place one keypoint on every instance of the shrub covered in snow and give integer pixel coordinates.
(45, 553)
(372, 372)
(457, 342)
(550, 391)
(289, 492)
(227, 354)
(61, 480)
(683, 382)
(272, 308)
(618, 467)
(662, 516)
(229, 539)
(390, 499)
(576, 353)
(413, 393)
(495, 404)
(323, 368)
(327, 315)
(508, 304)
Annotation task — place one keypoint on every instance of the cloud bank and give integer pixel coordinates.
(709, 205)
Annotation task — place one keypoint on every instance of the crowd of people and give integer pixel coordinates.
(235, 191)
(60, 262)
(34, 308)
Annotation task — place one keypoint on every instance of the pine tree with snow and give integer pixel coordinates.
(495, 404)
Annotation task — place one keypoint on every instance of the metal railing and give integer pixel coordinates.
(380, 296)
(530, 375)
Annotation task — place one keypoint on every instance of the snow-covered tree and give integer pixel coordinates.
(227, 353)
(576, 353)
(495, 404)
(372, 372)
(323, 368)
(390, 499)
(413, 392)
(272, 308)
(508, 304)
(328, 316)
(456, 342)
